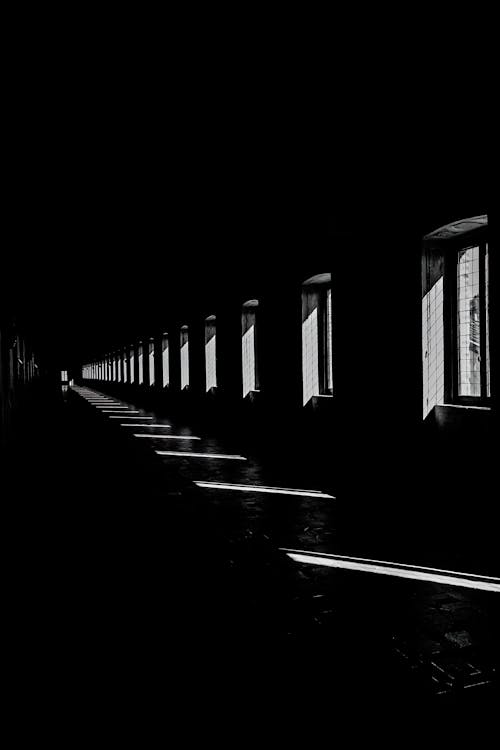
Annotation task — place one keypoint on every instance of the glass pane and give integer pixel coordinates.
(210, 353)
(141, 369)
(329, 362)
(310, 356)
(433, 347)
(151, 363)
(487, 321)
(131, 364)
(248, 360)
(165, 362)
(184, 357)
(468, 324)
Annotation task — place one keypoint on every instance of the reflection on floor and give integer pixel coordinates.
(428, 632)
(140, 570)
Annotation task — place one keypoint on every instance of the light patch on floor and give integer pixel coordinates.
(188, 454)
(399, 570)
(167, 437)
(263, 489)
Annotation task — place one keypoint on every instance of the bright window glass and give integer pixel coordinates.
(487, 319)
(329, 333)
(184, 341)
(433, 347)
(131, 364)
(151, 362)
(210, 353)
(468, 323)
(141, 366)
(165, 363)
(310, 356)
(248, 347)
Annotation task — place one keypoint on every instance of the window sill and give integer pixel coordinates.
(463, 406)
(460, 416)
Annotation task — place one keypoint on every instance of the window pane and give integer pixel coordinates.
(210, 353)
(151, 362)
(184, 357)
(250, 379)
(131, 364)
(433, 347)
(141, 369)
(329, 361)
(248, 359)
(468, 324)
(487, 321)
(310, 356)
(165, 361)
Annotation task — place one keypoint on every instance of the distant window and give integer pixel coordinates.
(141, 365)
(151, 362)
(131, 364)
(124, 364)
(165, 364)
(118, 367)
(317, 360)
(184, 342)
(487, 317)
(472, 320)
(249, 347)
(64, 375)
(210, 352)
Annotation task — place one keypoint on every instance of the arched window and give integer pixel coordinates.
(151, 362)
(210, 352)
(184, 342)
(131, 364)
(141, 363)
(124, 365)
(165, 364)
(249, 346)
(455, 314)
(317, 362)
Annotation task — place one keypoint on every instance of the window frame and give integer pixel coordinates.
(250, 309)
(320, 290)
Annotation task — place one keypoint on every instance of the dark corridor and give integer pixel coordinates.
(249, 448)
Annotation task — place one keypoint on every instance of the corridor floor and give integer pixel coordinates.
(183, 558)
(434, 636)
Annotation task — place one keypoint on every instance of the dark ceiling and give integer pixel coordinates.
(131, 195)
